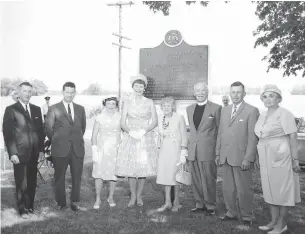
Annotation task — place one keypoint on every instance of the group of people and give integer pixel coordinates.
(235, 137)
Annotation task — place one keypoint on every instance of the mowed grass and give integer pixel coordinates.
(123, 220)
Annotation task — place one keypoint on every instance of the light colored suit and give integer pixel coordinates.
(237, 141)
(201, 153)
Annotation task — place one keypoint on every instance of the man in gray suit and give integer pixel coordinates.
(204, 120)
(65, 126)
(236, 151)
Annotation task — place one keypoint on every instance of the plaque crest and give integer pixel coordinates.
(173, 38)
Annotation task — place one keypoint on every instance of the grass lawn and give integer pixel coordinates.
(123, 220)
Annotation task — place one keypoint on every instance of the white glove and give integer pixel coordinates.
(183, 156)
(95, 156)
(137, 134)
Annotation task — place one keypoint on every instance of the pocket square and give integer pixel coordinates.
(211, 117)
(36, 117)
(241, 120)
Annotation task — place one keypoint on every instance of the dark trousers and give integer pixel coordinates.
(26, 179)
(60, 168)
(204, 177)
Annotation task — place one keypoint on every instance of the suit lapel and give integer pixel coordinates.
(205, 114)
(62, 106)
(32, 111)
(75, 112)
(192, 110)
(241, 107)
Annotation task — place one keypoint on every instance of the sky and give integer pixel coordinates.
(65, 40)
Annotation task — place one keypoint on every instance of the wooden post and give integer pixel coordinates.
(119, 35)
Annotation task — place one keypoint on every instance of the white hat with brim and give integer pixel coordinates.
(138, 77)
(271, 88)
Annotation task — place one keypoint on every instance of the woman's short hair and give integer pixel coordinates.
(170, 100)
(139, 81)
(111, 99)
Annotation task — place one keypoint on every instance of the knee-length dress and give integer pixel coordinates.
(279, 183)
(171, 139)
(137, 158)
(108, 138)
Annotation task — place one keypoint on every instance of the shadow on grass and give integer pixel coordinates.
(123, 220)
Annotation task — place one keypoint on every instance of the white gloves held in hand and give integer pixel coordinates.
(95, 156)
(183, 156)
(137, 134)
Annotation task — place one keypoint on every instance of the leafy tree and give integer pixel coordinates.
(8, 85)
(93, 89)
(282, 29)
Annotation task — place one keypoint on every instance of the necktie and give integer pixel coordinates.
(27, 111)
(69, 111)
(234, 112)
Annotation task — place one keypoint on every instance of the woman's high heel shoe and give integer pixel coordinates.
(96, 205)
(165, 207)
(111, 204)
(176, 207)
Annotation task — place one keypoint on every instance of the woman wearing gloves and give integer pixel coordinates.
(105, 139)
(137, 155)
(172, 142)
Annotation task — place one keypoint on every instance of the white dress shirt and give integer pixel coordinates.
(237, 106)
(24, 106)
(71, 107)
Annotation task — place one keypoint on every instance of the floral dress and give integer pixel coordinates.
(137, 158)
(108, 139)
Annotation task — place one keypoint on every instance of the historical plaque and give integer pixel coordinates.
(173, 67)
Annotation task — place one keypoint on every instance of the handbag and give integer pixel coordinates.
(183, 174)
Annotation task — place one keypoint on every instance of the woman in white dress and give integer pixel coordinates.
(137, 155)
(105, 140)
(172, 141)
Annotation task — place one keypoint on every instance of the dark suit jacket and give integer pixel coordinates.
(236, 138)
(23, 135)
(202, 142)
(63, 131)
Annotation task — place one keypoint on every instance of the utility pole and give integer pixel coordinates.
(120, 36)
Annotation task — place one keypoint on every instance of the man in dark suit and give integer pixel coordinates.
(65, 126)
(23, 136)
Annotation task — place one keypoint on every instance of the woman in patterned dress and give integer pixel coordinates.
(105, 140)
(278, 159)
(172, 141)
(137, 155)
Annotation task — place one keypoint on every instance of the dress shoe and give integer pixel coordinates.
(210, 212)
(96, 205)
(176, 207)
(111, 203)
(247, 222)
(30, 211)
(62, 208)
(265, 228)
(75, 207)
(227, 218)
(278, 232)
(199, 210)
(24, 216)
(165, 207)
(139, 202)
